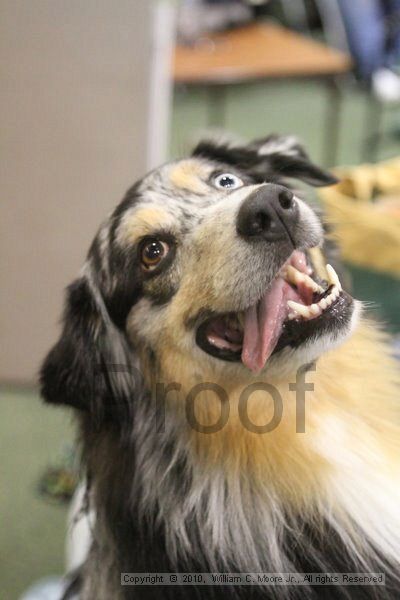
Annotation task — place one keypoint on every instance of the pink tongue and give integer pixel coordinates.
(263, 324)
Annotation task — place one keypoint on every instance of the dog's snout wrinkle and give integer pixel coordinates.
(269, 213)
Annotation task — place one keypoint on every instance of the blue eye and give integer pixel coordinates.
(227, 181)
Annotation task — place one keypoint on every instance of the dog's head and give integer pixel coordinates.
(212, 261)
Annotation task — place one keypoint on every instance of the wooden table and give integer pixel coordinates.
(260, 52)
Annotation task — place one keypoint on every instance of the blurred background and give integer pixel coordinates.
(94, 94)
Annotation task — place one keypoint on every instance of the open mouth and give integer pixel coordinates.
(296, 305)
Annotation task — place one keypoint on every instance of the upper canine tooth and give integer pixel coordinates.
(333, 277)
(315, 287)
(292, 274)
(299, 308)
(295, 276)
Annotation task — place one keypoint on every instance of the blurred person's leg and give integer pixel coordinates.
(386, 81)
(393, 32)
(364, 21)
(373, 32)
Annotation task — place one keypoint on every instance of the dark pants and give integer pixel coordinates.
(373, 30)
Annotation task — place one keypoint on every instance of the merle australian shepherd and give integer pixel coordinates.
(236, 411)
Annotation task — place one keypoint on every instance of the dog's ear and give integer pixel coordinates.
(273, 158)
(287, 157)
(91, 367)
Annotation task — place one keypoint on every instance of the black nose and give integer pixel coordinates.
(271, 213)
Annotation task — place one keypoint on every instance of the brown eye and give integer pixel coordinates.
(153, 252)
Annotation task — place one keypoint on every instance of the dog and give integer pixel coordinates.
(237, 411)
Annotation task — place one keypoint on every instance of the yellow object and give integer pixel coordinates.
(365, 211)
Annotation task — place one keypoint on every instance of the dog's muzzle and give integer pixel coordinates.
(297, 305)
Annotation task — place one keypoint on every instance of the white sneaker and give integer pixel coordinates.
(386, 85)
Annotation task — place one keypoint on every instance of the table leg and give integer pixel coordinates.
(332, 122)
(216, 106)
(373, 125)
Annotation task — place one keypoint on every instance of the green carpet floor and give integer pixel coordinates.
(32, 529)
(33, 436)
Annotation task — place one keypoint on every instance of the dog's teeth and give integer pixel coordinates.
(299, 308)
(290, 274)
(333, 277)
(322, 303)
(294, 276)
(315, 310)
(317, 288)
